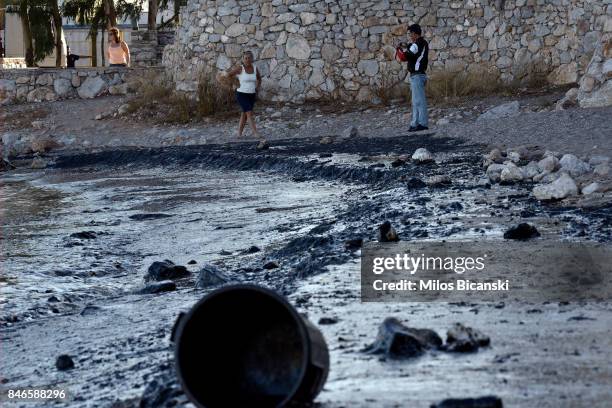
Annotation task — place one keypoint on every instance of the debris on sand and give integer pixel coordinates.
(148, 216)
(422, 155)
(263, 145)
(489, 401)
(210, 275)
(64, 362)
(353, 244)
(463, 339)
(522, 232)
(158, 287)
(397, 341)
(386, 233)
(166, 270)
(84, 235)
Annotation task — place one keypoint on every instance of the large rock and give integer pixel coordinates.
(559, 189)
(422, 155)
(297, 47)
(166, 270)
(63, 87)
(548, 164)
(501, 111)
(573, 165)
(397, 341)
(596, 84)
(92, 87)
(464, 339)
(494, 172)
(511, 173)
(210, 275)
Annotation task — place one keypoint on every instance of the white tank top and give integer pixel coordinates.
(248, 82)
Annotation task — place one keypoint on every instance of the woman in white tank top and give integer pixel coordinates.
(118, 52)
(246, 94)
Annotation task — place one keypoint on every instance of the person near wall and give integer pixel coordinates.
(416, 54)
(118, 52)
(246, 94)
(72, 58)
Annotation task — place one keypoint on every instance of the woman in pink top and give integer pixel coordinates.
(118, 51)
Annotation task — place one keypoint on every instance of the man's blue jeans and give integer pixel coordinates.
(419, 100)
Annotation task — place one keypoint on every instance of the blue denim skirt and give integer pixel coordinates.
(246, 100)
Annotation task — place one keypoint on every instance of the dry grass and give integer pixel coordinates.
(157, 99)
(443, 85)
(386, 87)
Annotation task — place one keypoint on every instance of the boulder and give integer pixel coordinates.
(422, 155)
(158, 287)
(602, 169)
(92, 87)
(494, 172)
(166, 270)
(501, 111)
(548, 164)
(463, 339)
(386, 233)
(63, 87)
(573, 165)
(210, 275)
(64, 362)
(559, 189)
(494, 156)
(397, 341)
(522, 232)
(531, 170)
(596, 84)
(511, 173)
(590, 188)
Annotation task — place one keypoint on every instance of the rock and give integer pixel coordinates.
(530, 170)
(501, 111)
(163, 391)
(64, 362)
(326, 140)
(561, 188)
(210, 275)
(297, 47)
(591, 188)
(573, 165)
(164, 270)
(327, 320)
(386, 233)
(438, 180)
(494, 156)
(489, 401)
(397, 341)
(43, 145)
(158, 287)
(442, 121)
(597, 160)
(514, 157)
(602, 169)
(522, 232)
(63, 87)
(84, 235)
(38, 124)
(353, 244)
(39, 163)
(251, 250)
(596, 83)
(570, 100)
(276, 114)
(148, 216)
(548, 164)
(511, 173)
(494, 172)
(463, 339)
(270, 265)
(415, 182)
(263, 145)
(91, 87)
(192, 262)
(123, 109)
(350, 132)
(120, 89)
(422, 155)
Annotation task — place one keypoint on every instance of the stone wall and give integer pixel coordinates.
(12, 63)
(37, 84)
(596, 84)
(308, 49)
(146, 47)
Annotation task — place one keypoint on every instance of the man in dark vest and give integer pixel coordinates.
(72, 58)
(417, 55)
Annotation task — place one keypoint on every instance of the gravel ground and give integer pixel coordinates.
(72, 122)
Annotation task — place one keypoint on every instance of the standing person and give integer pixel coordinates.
(416, 56)
(72, 58)
(246, 94)
(118, 52)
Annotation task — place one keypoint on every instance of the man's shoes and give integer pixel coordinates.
(420, 127)
(413, 128)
